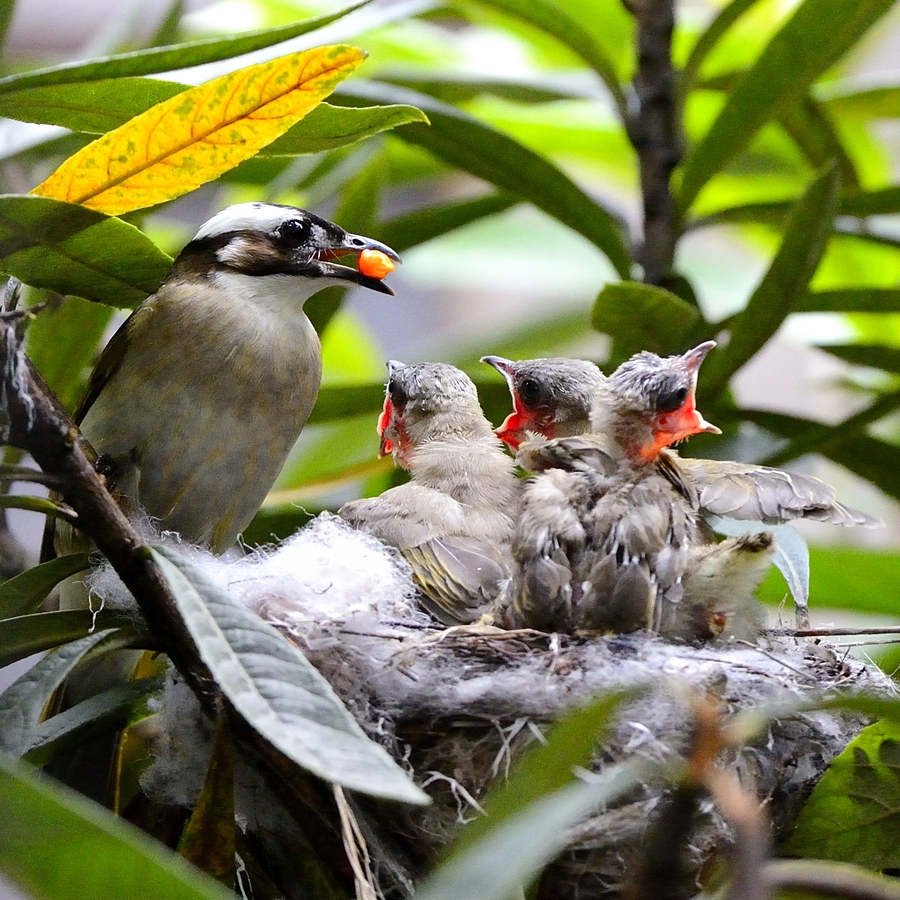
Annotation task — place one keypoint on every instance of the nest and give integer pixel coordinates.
(458, 706)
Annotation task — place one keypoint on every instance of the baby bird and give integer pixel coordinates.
(454, 519)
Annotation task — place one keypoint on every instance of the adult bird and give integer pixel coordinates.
(454, 519)
(610, 536)
(199, 397)
(555, 397)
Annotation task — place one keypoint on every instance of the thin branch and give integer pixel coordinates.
(655, 132)
(829, 879)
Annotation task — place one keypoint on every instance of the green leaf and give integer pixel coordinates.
(344, 401)
(715, 31)
(53, 843)
(24, 635)
(208, 838)
(805, 237)
(552, 19)
(875, 355)
(848, 300)
(805, 47)
(547, 766)
(423, 225)
(73, 250)
(165, 59)
(277, 690)
(460, 87)
(854, 812)
(510, 855)
(26, 592)
(643, 317)
(491, 155)
(22, 703)
(110, 710)
(32, 504)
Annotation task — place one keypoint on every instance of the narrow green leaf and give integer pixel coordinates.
(277, 690)
(208, 839)
(32, 504)
(26, 592)
(74, 250)
(423, 225)
(805, 47)
(875, 355)
(491, 155)
(460, 87)
(24, 635)
(715, 31)
(165, 59)
(848, 300)
(53, 843)
(109, 711)
(23, 702)
(509, 856)
(552, 19)
(643, 317)
(880, 102)
(854, 811)
(547, 766)
(344, 401)
(805, 237)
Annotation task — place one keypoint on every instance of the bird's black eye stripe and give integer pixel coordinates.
(294, 231)
(531, 391)
(670, 400)
(398, 395)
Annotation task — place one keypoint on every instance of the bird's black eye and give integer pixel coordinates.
(669, 401)
(531, 391)
(294, 231)
(398, 395)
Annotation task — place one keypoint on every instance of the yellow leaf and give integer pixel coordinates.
(194, 137)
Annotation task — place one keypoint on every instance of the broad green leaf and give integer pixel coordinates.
(875, 355)
(277, 690)
(109, 711)
(805, 47)
(843, 577)
(806, 234)
(487, 153)
(24, 635)
(552, 19)
(643, 317)
(84, 324)
(423, 225)
(508, 857)
(23, 702)
(89, 846)
(848, 300)
(208, 838)
(197, 135)
(67, 248)
(165, 59)
(854, 812)
(96, 107)
(23, 594)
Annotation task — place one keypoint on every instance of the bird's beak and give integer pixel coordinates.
(687, 420)
(353, 245)
(513, 429)
(385, 420)
(693, 358)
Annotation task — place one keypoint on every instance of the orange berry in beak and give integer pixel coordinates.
(375, 264)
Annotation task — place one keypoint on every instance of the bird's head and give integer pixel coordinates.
(426, 402)
(648, 403)
(551, 397)
(268, 239)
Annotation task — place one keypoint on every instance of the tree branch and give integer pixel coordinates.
(655, 132)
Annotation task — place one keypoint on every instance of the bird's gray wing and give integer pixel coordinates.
(765, 494)
(585, 453)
